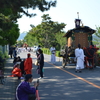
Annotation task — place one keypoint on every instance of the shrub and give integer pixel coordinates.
(47, 51)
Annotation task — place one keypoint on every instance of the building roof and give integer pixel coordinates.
(81, 29)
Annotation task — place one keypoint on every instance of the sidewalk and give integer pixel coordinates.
(7, 91)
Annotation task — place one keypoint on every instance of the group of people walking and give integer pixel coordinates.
(27, 63)
(24, 87)
(24, 68)
(24, 91)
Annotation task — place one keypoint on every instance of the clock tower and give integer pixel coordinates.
(77, 21)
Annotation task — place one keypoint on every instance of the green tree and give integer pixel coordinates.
(20, 43)
(11, 10)
(97, 33)
(48, 30)
(96, 40)
(31, 40)
(45, 34)
(60, 40)
(9, 31)
(16, 8)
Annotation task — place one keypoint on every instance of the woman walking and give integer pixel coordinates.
(41, 62)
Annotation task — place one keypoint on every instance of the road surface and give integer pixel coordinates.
(63, 83)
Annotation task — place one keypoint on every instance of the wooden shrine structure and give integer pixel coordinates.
(79, 35)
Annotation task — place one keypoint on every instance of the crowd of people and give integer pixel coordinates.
(27, 63)
(22, 68)
(13, 51)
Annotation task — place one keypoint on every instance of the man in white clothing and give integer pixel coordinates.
(80, 58)
(53, 51)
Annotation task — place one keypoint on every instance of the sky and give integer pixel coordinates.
(66, 12)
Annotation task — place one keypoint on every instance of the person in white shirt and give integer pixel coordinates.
(53, 52)
(79, 54)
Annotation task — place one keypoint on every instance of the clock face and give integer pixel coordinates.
(77, 23)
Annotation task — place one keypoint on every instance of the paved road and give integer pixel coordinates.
(65, 84)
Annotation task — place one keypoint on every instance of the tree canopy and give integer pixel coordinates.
(16, 8)
(97, 37)
(47, 33)
(97, 32)
(9, 31)
(11, 10)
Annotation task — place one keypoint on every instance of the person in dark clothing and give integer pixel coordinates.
(22, 67)
(15, 60)
(14, 52)
(11, 52)
(19, 59)
(41, 62)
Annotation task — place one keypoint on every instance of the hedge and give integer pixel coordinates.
(47, 51)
